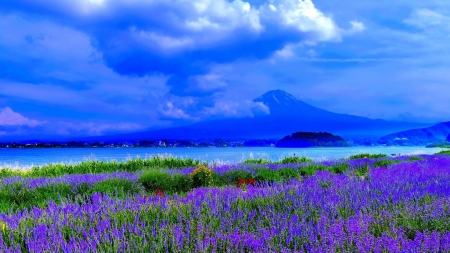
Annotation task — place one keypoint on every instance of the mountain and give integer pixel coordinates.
(311, 139)
(436, 133)
(287, 115)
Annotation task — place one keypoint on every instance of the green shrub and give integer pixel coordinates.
(268, 175)
(288, 173)
(416, 158)
(367, 155)
(295, 159)
(338, 168)
(202, 176)
(311, 169)
(116, 186)
(384, 163)
(443, 152)
(257, 161)
(231, 177)
(18, 196)
(153, 180)
(181, 183)
(361, 171)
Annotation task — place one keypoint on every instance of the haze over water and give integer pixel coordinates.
(25, 158)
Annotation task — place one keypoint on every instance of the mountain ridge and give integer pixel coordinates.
(287, 115)
(436, 133)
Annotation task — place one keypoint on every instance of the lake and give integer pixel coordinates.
(25, 158)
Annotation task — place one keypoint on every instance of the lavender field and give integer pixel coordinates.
(375, 204)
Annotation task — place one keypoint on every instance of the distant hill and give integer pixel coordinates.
(311, 139)
(287, 115)
(420, 136)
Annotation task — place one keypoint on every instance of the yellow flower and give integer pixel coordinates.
(3, 226)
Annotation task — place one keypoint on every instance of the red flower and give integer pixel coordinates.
(159, 193)
(241, 182)
(251, 181)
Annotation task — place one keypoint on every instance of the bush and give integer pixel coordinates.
(181, 183)
(361, 171)
(311, 169)
(294, 159)
(267, 175)
(416, 158)
(443, 152)
(153, 180)
(338, 168)
(257, 161)
(231, 177)
(288, 173)
(367, 155)
(384, 163)
(202, 176)
(116, 186)
(18, 196)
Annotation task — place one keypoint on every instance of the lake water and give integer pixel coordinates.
(24, 158)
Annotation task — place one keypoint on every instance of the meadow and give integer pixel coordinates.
(365, 203)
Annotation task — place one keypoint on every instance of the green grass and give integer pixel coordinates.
(95, 167)
(367, 155)
(294, 159)
(257, 161)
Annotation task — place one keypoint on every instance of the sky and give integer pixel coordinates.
(97, 67)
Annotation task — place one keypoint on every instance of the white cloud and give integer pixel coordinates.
(426, 18)
(10, 118)
(356, 27)
(91, 128)
(301, 15)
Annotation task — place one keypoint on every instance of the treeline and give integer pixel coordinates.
(164, 143)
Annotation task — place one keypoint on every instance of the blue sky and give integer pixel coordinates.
(93, 67)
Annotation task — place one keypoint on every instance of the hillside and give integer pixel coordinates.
(311, 139)
(421, 136)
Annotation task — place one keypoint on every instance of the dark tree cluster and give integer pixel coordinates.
(311, 139)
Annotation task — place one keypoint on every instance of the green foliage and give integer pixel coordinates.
(288, 173)
(268, 175)
(367, 155)
(155, 179)
(202, 176)
(231, 177)
(180, 184)
(443, 152)
(95, 167)
(116, 187)
(385, 163)
(257, 161)
(311, 169)
(18, 197)
(362, 170)
(294, 159)
(338, 168)
(416, 158)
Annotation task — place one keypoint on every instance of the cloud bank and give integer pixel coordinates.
(10, 118)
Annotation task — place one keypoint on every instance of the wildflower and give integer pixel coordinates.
(251, 181)
(202, 176)
(3, 226)
(159, 193)
(241, 182)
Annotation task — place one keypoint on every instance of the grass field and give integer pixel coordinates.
(366, 203)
